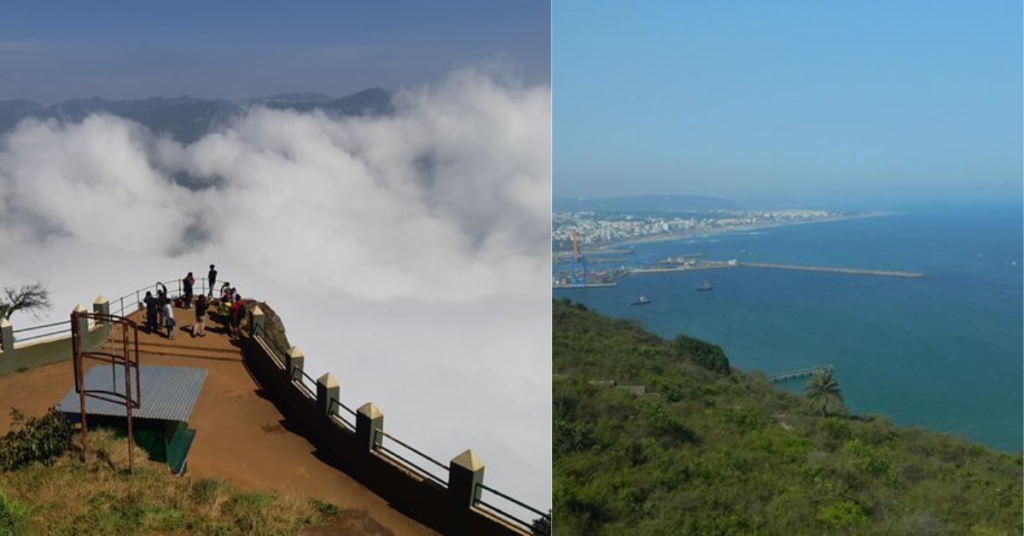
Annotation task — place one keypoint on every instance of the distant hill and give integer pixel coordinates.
(187, 119)
(296, 97)
(373, 101)
(644, 203)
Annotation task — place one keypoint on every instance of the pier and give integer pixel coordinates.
(558, 255)
(583, 285)
(608, 278)
(848, 271)
(706, 265)
(802, 373)
(714, 265)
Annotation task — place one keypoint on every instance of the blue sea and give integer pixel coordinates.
(943, 352)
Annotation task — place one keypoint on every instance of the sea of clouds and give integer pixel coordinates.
(408, 254)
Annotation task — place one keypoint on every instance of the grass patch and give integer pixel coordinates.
(13, 515)
(100, 497)
(327, 509)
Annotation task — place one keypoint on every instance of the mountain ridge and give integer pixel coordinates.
(186, 118)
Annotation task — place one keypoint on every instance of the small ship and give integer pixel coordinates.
(642, 300)
(705, 285)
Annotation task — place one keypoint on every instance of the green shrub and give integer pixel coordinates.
(843, 514)
(706, 355)
(328, 509)
(33, 439)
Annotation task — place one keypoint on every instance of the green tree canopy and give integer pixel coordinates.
(704, 354)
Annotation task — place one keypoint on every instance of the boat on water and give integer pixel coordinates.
(705, 285)
(642, 300)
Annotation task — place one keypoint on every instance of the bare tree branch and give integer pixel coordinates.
(33, 298)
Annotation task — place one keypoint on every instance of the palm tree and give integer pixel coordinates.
(823, 394)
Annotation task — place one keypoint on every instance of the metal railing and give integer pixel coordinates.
(174, 289)
(311, 391)
(529, 526)
(410, 464)
(279, 354)
(124, 304)
(335, 403)
(66, 329)
(344, 407)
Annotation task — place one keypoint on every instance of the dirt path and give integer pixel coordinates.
(240, 435)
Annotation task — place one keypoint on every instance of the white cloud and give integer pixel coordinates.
(408, 255)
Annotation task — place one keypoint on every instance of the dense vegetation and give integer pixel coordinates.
(706, 450)
(43, 491)
(41, 439)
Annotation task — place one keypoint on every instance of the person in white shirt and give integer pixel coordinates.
(169, 319)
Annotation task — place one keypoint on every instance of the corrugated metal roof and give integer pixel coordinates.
(168, 393)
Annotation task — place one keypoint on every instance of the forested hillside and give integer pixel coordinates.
(704, 449)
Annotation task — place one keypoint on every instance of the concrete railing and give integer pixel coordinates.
(35, 346)
(25, 348)
(445, 497)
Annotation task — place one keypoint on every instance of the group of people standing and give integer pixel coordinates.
(160, 311)
(231, 307)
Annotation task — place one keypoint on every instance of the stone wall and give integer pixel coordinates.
(446, 508)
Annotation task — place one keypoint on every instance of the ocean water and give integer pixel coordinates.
(943, 352)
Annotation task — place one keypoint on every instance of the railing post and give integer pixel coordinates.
(83, 322)
(256, 320)
(328, 393)
(465, 474)
(296, 361)
(102, 306)
(6, 335)
(369, 419)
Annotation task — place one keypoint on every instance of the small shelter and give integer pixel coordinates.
(160, 421)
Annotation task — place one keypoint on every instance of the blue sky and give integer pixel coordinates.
(51, 51)
(804, 100)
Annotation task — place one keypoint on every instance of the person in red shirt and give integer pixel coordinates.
(235, 316)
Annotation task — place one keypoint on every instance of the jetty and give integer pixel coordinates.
(802, 373)
(848, 271)
(592, 253)
(716, 265)
(707, 265)
(583, 285)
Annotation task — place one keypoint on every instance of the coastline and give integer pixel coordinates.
(668, 237)
(895, 344)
